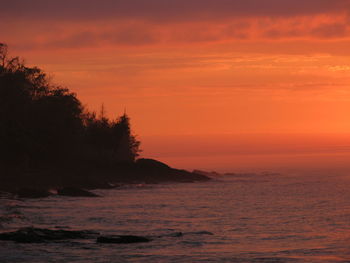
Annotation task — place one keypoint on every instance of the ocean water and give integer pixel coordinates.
(244, 218)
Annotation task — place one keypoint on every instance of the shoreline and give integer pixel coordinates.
(142, 171)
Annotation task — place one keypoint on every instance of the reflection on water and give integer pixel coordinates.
(253, 218)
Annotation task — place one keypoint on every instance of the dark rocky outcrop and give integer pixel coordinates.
(201, 233)
(39, 235)
(175, 234)
(208, 174)
(73, 182)
(153, 171)
(75, 192)
(151, 163)
(180, 234)
(32, 193)
(102, 185)
(124, 239)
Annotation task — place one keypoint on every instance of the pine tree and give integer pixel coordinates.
(127, 147)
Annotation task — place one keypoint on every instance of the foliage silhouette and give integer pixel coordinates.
(43, 124)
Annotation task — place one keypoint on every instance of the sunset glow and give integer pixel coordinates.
(174, 131)
(188, 68)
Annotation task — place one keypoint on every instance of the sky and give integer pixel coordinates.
(191, 73)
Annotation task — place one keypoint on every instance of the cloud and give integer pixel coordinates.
(138, 33)
(38, 24)
(134, 36)
(164, 10)
(125, 36)
(80, 39)
(333, 30)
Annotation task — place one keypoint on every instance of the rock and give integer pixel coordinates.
(102, 185)
(76, 192)
(201, 233)
(39, 235)
(208, 174)
(151, 163)
(153, 171)
(175, 234)
(122, 239)
(180, 234)
(32, 193)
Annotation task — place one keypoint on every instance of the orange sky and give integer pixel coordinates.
(193, 67)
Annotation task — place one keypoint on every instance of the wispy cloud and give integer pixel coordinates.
(165, 10)
(140, 33)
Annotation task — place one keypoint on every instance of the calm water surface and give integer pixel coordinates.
(253, 218)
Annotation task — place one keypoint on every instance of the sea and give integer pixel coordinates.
(248, 217)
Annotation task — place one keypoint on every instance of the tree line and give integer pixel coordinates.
(43, 124)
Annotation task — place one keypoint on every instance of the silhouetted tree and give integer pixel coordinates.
(42, 123)
(126, 147)
(3, 54)
(113, 138)
(39, 121)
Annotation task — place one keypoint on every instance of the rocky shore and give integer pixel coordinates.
(77, 181)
